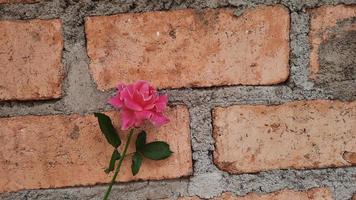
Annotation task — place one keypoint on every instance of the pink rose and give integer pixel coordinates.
(139, 102)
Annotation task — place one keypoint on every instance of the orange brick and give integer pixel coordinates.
(298, 135)
(30, 59)
(322, 20)
(312, 194)
(60, 150)
(188, 48)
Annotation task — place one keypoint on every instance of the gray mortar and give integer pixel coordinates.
(81, 96)
(125, 191)
(300, 50)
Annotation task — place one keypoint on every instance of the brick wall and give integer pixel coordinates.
(261, 95)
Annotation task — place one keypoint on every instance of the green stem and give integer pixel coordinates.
(118, 166)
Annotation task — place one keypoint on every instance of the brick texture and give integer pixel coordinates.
(30, 59)
(312, 194)
(60, 150)
(323, 20)
(354, 197)
(304, 134)
(190, 48)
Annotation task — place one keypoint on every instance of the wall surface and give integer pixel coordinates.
(261, 93)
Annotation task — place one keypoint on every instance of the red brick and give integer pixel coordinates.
(312, 194)
(188, 48)
(60, 150)
(350, 157)
(298, 135)
(30, 59)
(354, 197)
(322, 20)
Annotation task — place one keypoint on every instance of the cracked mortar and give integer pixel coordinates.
(81, 96)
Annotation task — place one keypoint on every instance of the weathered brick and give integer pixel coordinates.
(30, 59)
(298, 135)
(332, 37)
(312, 194)
(190, 48)
(60, 150)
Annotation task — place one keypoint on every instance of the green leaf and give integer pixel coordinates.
(141, 140)
(156, 150)
(114, 157)
(108, 129)
(136, 163)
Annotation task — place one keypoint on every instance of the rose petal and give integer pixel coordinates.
(129, 103)
(144, 89)
(138, 123)
(130, 90)
(125, 94)
(149, 106)
(143, 115)
(151, 103)
(120, 87)
(158, 119)
(138, 84)
(139, 102)
(127, 119)
(146, 98)
(137, 97)
(116, 101)
(161, 103)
